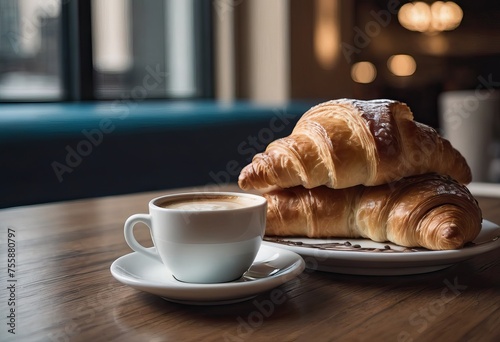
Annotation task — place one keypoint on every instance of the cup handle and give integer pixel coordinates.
(130, 238)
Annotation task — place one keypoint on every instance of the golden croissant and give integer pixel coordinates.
(430, 211)
(343, 143)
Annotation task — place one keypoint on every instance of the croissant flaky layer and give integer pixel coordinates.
(430, 211)
(343, 143)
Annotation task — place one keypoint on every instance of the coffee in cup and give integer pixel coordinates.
(207, 202)
(203, 237)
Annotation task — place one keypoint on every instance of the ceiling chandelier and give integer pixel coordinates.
(430, 18)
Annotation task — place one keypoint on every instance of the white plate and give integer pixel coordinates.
(333, 255)
(146, 274)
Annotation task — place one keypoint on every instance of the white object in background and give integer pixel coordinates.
(484, 189)
(467, 121)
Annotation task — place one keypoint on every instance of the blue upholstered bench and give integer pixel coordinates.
(60, 151)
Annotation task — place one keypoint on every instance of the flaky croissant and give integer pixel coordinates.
(343, 143)
(431, 211)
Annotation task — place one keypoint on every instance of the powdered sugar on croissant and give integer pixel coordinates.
(343, 143)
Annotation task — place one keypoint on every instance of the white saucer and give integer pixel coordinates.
(146, 274)
(373, 258)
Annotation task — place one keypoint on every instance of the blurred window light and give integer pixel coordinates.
(139, 49)
(30, 53)
(180, 52)
(363, 72)
(111, 36)
(326, 33)
(136, 42)
(402, 65)
(422, 17)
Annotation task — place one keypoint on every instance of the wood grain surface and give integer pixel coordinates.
(64, 290)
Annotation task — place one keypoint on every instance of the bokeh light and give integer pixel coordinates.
(363, 72)
(422, 17)
(402, 65)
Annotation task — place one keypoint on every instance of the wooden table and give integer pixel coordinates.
(62, 290)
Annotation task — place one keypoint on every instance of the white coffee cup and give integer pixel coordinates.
(203, 237)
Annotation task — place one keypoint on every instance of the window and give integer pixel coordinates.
(30, 63)
(96, 50)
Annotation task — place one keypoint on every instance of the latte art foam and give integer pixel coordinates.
(208, 203)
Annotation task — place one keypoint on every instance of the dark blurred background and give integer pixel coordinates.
(94, 58)
(41, 42)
